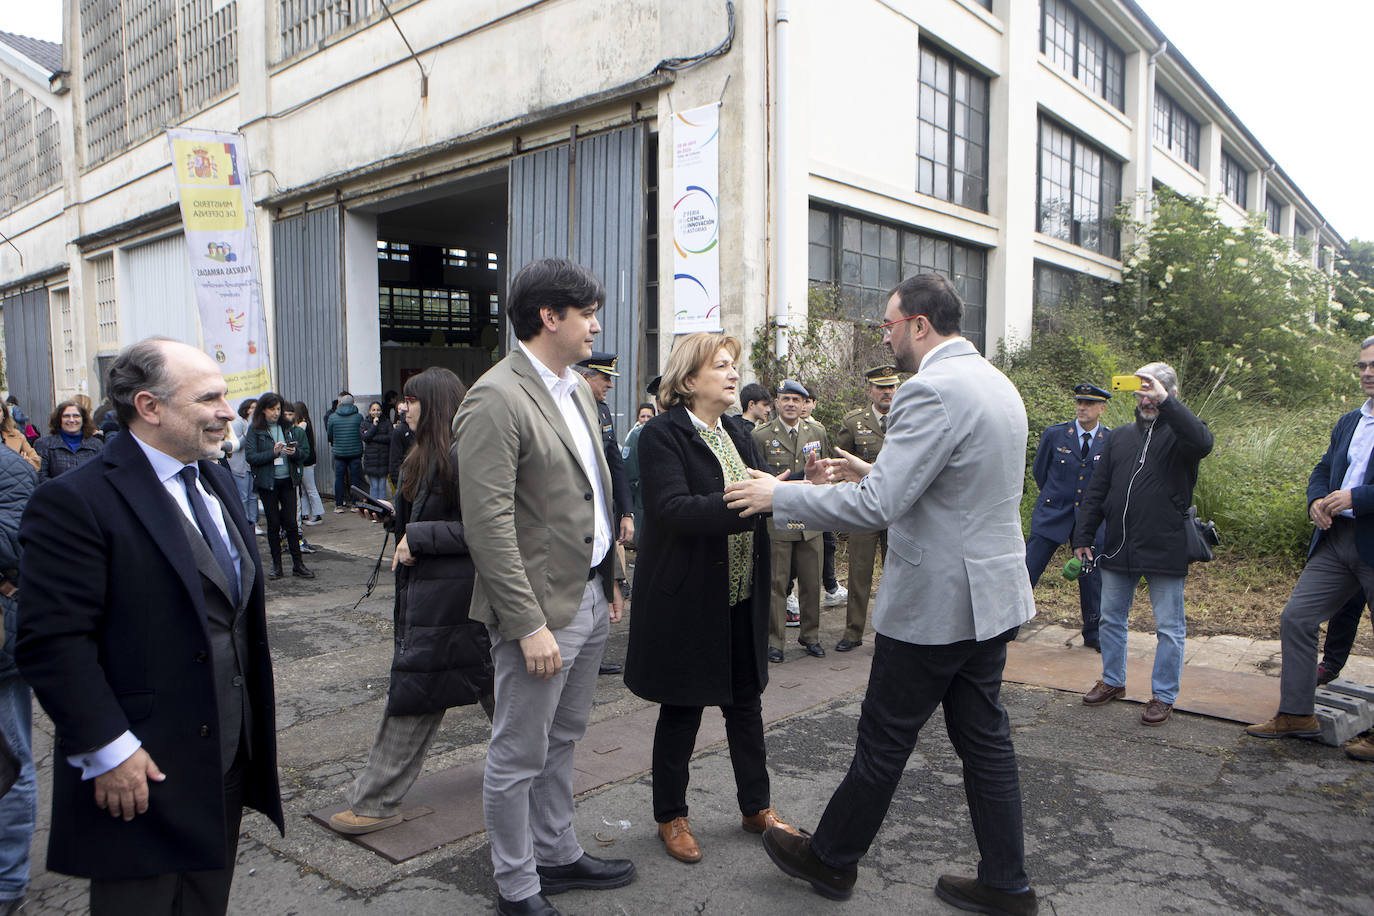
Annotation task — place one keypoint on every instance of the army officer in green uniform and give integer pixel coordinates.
(784, 443)
(861, 434)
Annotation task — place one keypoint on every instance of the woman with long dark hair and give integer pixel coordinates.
(376, 450)
(276, 450)
(699, 632)
(71, 441)
(441, 658)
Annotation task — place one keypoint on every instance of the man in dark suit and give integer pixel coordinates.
(143, 632)
(1064, 463)
(1340, 563)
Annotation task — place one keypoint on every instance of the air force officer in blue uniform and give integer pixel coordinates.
(1064, 464)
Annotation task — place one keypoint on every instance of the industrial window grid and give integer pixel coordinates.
(1057, 288)
(30, 146)
(863, 259)
(392, 251)
(456, 257)
(106, 304)
(1273, 214)
(1234, 180)
(145, 63)
(1079, 189)
(1084, 51)
(952, 131)
(305, 23)
(62, 299)
(1175, 129)
(415, 313)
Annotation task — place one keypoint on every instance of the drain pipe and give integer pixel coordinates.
(781, 130)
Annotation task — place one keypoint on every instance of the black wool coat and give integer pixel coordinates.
(376, 447)
(440, 657)
(679, 650)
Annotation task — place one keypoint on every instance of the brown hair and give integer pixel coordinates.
(55, 419)
(690, 356)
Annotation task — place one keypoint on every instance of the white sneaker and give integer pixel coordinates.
(839, 596)
(316, 520)
(259, 532)
(792, 606)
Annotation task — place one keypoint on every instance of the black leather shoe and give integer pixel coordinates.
(844, 645)
(792, 853)
(530, 906)
(1093, 644)
(607, 668)
(969, 894)
(813, 649)
(275, 573)
(587, 873)
(300, 572)
(775, 656)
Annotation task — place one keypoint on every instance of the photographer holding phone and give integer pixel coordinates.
(276, 452)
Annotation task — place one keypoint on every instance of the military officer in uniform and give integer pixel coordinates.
(784, 443)
(1064, 464)
(861, 434)
(600, 372)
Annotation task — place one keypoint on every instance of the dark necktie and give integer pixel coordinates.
(211, 533)
(882, 424)
(1083, 452)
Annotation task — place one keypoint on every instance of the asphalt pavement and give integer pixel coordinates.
(1193, 817)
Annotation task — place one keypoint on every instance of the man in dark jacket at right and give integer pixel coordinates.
(345, 431)
(1142, 489)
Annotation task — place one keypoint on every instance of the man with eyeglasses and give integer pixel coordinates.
(1340, 563)
(947, 487)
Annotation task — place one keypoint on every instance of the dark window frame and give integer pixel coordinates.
(943, 178)
(1099, 235)
(1235, 180)
(1176, 121)
(1107, 81)
(1273, 213)
(913, 250)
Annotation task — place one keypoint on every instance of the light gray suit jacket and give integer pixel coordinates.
(947, 486)
(527, 500)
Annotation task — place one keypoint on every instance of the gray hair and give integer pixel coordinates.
(1165, 373)
(1368, 342)
(139, 367)
(345, 399)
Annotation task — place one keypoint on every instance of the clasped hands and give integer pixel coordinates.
(755, 496)
(1323, 511)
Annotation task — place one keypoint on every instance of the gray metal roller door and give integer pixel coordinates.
(28, 354)
(308, 285)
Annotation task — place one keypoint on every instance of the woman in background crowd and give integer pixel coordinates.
(276, 452)
(312, 507)
(15, 440)
(376, 450)
(441, 658)
(288, 416)
(71, 441)
(699, 632)
(238, 464)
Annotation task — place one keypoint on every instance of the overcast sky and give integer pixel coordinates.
(1291, 72)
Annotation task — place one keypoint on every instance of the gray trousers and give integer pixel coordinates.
(398, 753)
(527, 790)
(1333, 574)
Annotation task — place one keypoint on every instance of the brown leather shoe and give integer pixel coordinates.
(1361, 750)
(678, 840)
(1102, 692)
(768, 817)
(1285, 726)
(1156, 712)
(793, 855)
(346, 822)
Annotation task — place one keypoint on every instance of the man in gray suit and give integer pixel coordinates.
(947, 487)
(536, 488)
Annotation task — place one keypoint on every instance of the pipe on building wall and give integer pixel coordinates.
(781, 131)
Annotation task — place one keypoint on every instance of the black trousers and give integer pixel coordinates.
(907, 682)
(676, 733)
(1340, 633)
(280, 505)
(188, 893)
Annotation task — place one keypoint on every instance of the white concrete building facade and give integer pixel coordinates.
(407, 157)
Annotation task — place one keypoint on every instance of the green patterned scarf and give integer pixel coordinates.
(741, 546)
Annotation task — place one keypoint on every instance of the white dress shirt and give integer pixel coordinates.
(168, 471)
(1361, 442)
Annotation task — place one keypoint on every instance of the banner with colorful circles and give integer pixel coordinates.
(696, 220)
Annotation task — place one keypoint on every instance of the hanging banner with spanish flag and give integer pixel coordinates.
(696, 220)
(217, 213)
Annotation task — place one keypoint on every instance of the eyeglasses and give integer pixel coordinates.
(410, 399)
(887, 324)
(1362, 365)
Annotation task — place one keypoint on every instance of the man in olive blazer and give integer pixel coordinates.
(947, 486)
(536, 493)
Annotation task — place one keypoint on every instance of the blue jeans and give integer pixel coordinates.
(377, 488)
(19, 806)
(1171, 627)
(249, 495)
(347, 471)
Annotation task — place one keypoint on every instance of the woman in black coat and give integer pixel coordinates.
(440, 657)
(699, 627)
(376, 430)
(71, 441)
